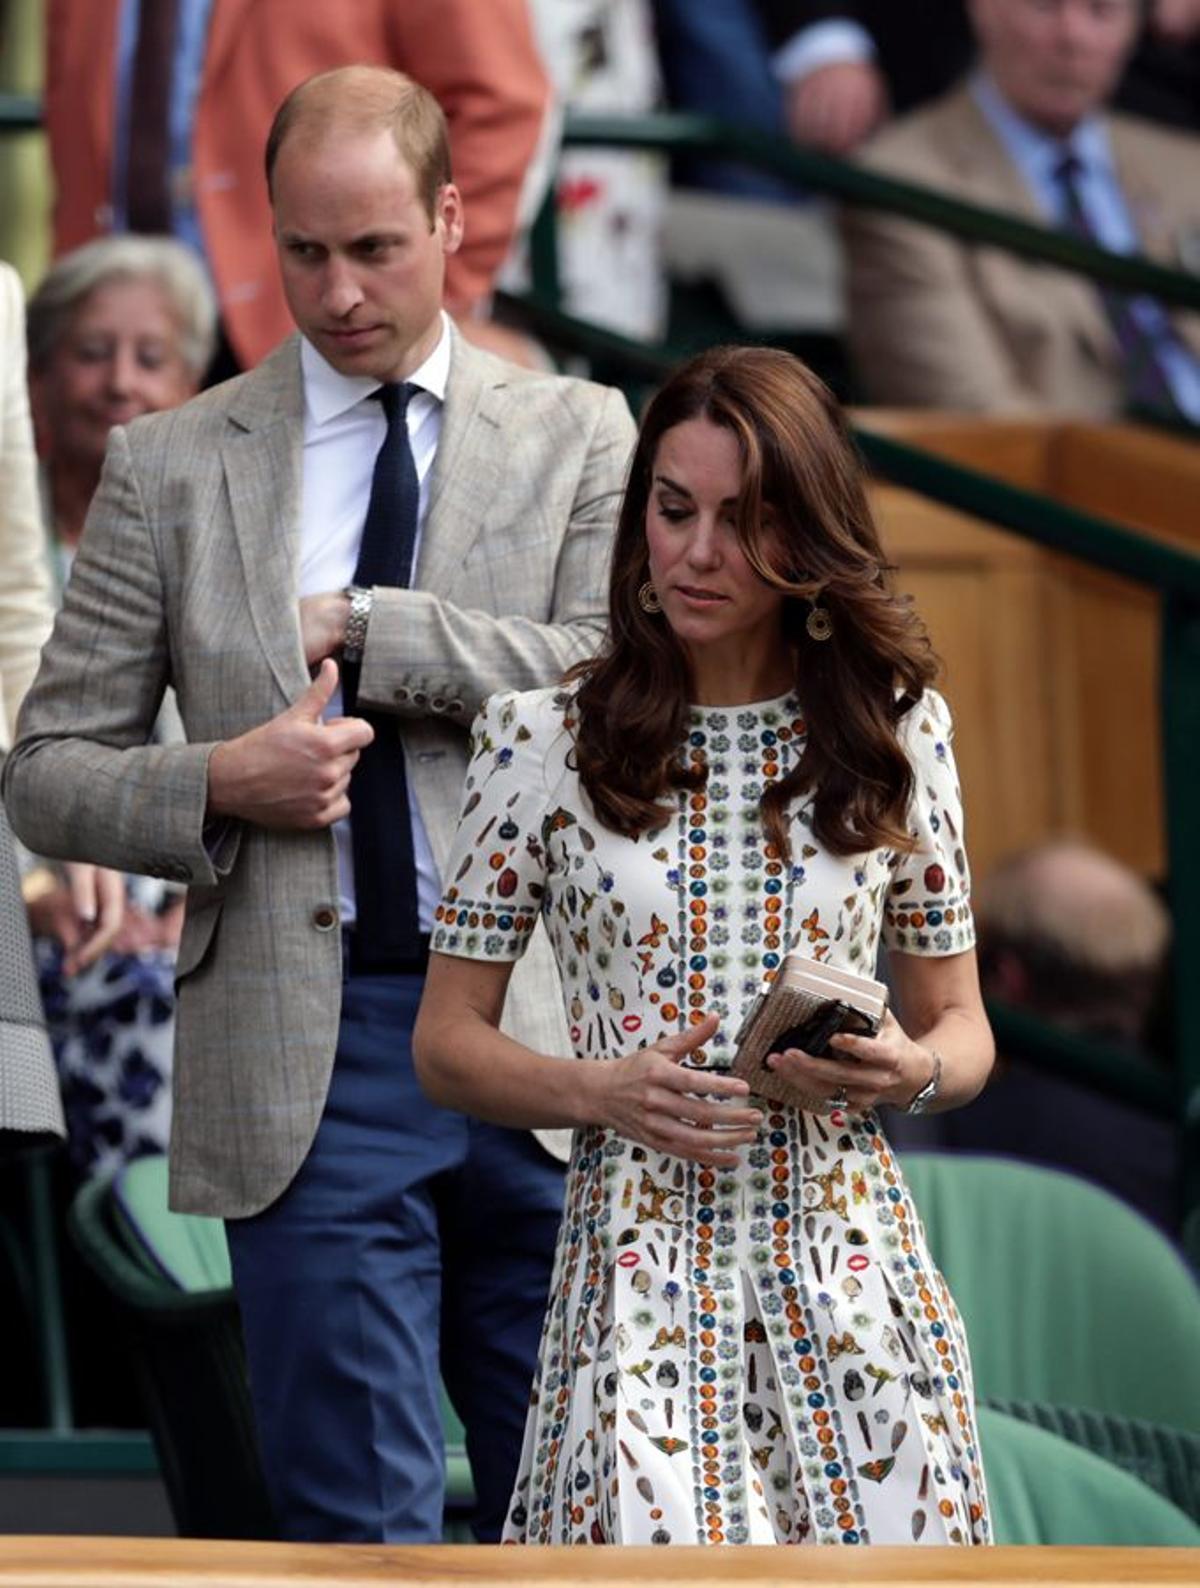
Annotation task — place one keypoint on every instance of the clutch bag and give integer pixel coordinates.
(807, 1003)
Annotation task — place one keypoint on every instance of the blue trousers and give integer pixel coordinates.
(411, 1238)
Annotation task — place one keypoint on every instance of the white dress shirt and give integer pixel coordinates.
(344, 428)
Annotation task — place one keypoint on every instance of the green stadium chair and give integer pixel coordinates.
(1165, 1459)
(170, 1272)
(1068, 1296)
(1044, 1490)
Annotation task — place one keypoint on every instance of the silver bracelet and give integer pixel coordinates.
(355, 640)
(921, 1102)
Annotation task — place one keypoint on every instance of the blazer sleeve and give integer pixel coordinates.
(82, 782)
(414, 634)
(482, 65)
(25, 606)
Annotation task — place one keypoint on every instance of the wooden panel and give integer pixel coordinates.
(983, 595)
(1063, 685)
(1137, 477)
(1016, 450)
(196, 1563)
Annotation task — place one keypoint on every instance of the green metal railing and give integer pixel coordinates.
(818, 173)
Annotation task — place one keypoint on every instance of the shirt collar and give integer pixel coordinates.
(1035, 153)
(328, 393)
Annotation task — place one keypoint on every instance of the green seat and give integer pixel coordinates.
(1165, 1459)
(164, 1267)
(187, 1347)
(1068, 1296)
(1044, 1490)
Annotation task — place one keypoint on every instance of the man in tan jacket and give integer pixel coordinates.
(418, 524)
(938, 322)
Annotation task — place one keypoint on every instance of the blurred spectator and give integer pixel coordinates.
(158, 111)
(121, 327)
(29, 1099)
(846, 65)
(1075, 937)
(938, 322)
(601, 58)
(716, 61)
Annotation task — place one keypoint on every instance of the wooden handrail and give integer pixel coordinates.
(194, 1563)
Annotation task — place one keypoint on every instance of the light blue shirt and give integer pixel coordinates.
(1037, 156)
(191, 38)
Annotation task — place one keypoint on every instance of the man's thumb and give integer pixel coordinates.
(319, 693)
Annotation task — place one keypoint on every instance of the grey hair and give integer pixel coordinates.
(76, 275)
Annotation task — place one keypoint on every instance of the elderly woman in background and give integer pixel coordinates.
(122, 327)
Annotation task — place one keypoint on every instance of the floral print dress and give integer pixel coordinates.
(762, 1354)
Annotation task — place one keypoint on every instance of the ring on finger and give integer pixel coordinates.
(840, 1098)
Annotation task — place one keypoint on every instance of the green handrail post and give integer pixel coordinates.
(543, 252)
(1180, 652)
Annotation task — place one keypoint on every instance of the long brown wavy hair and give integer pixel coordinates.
(807, 531)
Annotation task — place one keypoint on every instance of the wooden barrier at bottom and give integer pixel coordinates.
(192, 1563)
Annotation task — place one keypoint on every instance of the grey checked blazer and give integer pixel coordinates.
(187, 576)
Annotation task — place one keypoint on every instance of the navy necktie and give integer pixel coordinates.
(1146, 382)
(385, 873)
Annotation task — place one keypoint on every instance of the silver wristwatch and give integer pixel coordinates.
(355, 639)
(929, 1091)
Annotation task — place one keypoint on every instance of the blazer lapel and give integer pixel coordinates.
(470, 463)
(262, 463)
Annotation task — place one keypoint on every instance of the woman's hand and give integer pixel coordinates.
(887, 1068)
(649, 1097)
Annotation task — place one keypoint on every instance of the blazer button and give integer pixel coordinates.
(437, 703)
(324, 918)
(455, 706)
(401, 694)
(420, 698)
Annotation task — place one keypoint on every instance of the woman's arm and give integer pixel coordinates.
(464, 1061)
(941, 1008)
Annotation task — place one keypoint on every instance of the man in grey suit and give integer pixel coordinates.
(417, 524)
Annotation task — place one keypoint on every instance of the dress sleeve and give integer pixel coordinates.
(496, 874)
(928, 906)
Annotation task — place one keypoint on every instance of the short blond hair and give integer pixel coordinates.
(370, 99)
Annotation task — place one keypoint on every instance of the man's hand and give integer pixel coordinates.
(83, 914)
(323, 624)
(837, 107)
(294, 771)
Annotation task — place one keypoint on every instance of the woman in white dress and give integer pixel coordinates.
(746, 1340)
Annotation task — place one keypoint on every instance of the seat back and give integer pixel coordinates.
(1044, 1490)
(1165, 1459)
(1068, 1295)
(191, 1365)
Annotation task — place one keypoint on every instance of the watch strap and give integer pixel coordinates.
(355, 639)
